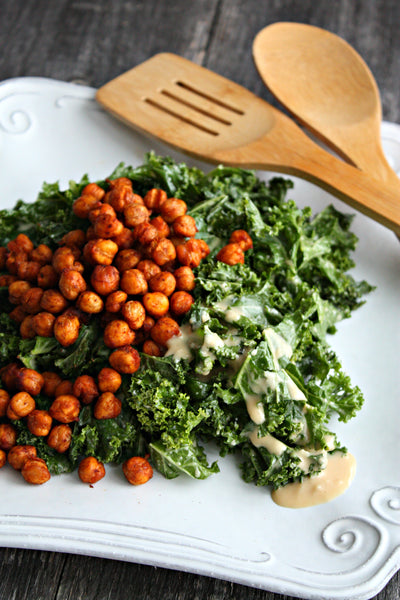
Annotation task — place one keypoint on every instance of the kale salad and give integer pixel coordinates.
(252, 362)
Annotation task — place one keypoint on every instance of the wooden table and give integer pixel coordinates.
(92, 41)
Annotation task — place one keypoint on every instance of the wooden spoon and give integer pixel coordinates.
(209, 117)
(321, 80)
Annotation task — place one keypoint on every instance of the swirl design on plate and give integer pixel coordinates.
(14, 120)
(386, 503)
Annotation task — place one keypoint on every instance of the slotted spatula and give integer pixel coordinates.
(208, 116)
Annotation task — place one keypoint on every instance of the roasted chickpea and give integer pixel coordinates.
(41, 254)
(151, 348)
(66, 329)
(125, 360)
(91, 470)
(137, 470)
(3, 458)
(156, 304)
(4, 400)
(17, 314)
(173, 208)
(185, 279)
(90, 302)
(18, 455)
(115, 301)
(29, 380)
(8, 436)
(53, 301)
(241, 237)
(120, 197)
(76, 237)
(125, 239)
(127, 259)
(100, 252)
(60, 438)
(20, 405)
(163, 252)
(134, 314)
(9, 376)
(21, 242)
(148, 268)
(161, 226)
(181, 302)
(107, 406)
(84, 204)
(85, 388)
(71, 284)
(29, 270)
(109, 380)
(184, 226)
(39, 422)
(188, 255)
(148, 323)
(133, 282)
(135, 213)
(14, 260)
(163, 330)
(6, 280)
(64, 388)
(93, 189)
(63, 258)
(17, 290)
(31, 300)
(65, 408)
(154, 199)
(231, 254)
(50, 383)
(105, 279)
(47, 277)
(118, 333)
(107, 226)
(43, 324)
(35, 471)
(163, 282)
(145, 233)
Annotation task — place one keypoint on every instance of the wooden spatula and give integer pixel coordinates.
(207, 116)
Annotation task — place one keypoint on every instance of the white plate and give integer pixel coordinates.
(221, 527)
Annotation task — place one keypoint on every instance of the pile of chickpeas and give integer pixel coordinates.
(133, 267)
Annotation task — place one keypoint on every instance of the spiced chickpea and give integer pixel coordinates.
(9, 376)
(64, 388)
(35, 471)
(107, 406)
(133, 282)
(135, 213)
(100, 210)
(63, 258)
(148, 268)
(109, 380)
(50, 383)
(16, 291)
(6, 280)
(20, 405)
(148, 323)
(122, 196)
(118, 333)
(8, 436)
(41, 254)
(26, 329)
(127, 259)
(185, 279)
(29, 380)
(154, 199)
(106, 226)
(47, 277)
(188, 255)
(115, 301)
(71, 284)
(91, 470)
(84, 204)
(59, 438)
(124, 239)
(231, 254)
(100, 252)
(43, 324)
(241, 237)
(31, 300)
(39, 422)
(184, 226)
(105, 279)
(125, 360)
(151, 348)
(145, 233)
(17, 314)
(93, 189)
(85, 389)
(14, 260)
(65, 408)
(74, 238)
(53, 301)
(4, 400)
(28, 270)
(21, 242)
(181, 302)
(161, 226)
(164, 252)
(3, 458)
(156, 304)
(137, 470)
(164, 329)
(90, 302)
(163, 282)
(18, 455)
(66, 329)
(172, 208)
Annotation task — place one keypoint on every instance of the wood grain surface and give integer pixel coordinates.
(93, 41)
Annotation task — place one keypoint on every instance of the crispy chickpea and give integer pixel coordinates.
(133, 282)
(9, 376)
(137, 470)
(3, 458)
(241, 237)
(231, 254)
(29, 270)
(154, 199)
(188, 255)
(93, 189)
(101, 209)
(164, 252)
(109, 380)
(156, 304)
(65, 408)
(173, 208)
(107, 226)
(134, 314)
(107, 406)
(39, 422)
(35, 471)
(76, 237)
(6, 280)
(21, 242)
(31, 300)
(66, 329)
(163, 282)
(148, 323)
(151, 348)
(21, 404)
(90, 302)
(14, 260)
(63, 258)
(53, 301)
(41, 254)
(185, 279)
(29, 380)
(184, 226)
(105, 279)
(43, 324)
(60, 438)
(115, 301)
(4, 400)
(148, 268)
(71, 284)
(85, 389)
(50, 383)
(118, 333)
(91, 470)
(136, 213)
(8, 436)
(163, 330)
(145, 233)
(127, 259)
(84, 204)
(181, 302)
(161, 226)
(17, 314)
(100, 252)
(64, 388)
(125, 239)
(18, 455)
(26, 328)
(47, 277)
(17, 290)
(125, 360)
(120, 197)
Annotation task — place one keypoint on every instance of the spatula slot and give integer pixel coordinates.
(159, 106)
(210, 98)
(195, 107)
